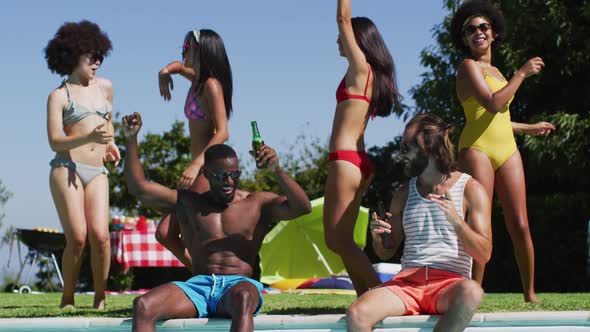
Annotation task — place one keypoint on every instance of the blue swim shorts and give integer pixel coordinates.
(205, 291)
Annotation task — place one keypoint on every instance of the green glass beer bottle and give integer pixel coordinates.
(257, 141)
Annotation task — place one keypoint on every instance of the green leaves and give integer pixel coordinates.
(5, 195)
(164, 157)
(555, 30)
(569, 144)
(306, 160)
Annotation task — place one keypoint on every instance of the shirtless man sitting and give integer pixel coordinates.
(223, 230)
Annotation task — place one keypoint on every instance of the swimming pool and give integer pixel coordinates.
(563, 321)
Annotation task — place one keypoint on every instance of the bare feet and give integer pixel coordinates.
(66, 303)
(531, 299)
(99, 304)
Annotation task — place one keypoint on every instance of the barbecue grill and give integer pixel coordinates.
(42, 246)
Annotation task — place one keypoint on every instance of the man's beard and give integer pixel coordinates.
(220, 198)
(415, 167)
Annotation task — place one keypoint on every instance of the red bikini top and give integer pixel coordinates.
(342, 92)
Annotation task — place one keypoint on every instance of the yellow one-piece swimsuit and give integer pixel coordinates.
(488, 132)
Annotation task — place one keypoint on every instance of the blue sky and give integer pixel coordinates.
(283, 54)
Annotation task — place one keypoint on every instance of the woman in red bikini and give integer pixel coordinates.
(367, 90)
(208, 107)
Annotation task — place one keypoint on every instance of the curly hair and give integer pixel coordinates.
(474, 8)
(431, 136)
(73, 40)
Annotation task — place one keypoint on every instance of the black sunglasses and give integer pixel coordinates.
(234, 175)
(403, 148)
(93, 57)
(471, 29)
(186, 45)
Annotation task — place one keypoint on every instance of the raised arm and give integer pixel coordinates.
(476, 232)
(393, 226)
(471, 71)
(356, 58)
(149, 193)
(165, 78)
(177, 67)
(295, 202)
(56, 103)
(214, 95)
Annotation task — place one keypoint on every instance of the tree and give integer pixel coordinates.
(306, 161)
(163, 156)
(5, 195)
(555, 30)
(556, 167)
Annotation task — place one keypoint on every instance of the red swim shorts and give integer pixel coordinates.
(420, 288)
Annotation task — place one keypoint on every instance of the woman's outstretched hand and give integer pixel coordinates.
(166, 84)
(532, 67)
(540, 128)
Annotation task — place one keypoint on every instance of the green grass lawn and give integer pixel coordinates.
(45, 305)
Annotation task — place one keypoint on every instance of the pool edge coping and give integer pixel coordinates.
(534, 318)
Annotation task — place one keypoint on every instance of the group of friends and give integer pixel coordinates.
(442, 214)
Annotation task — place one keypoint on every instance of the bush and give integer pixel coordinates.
(558, 226)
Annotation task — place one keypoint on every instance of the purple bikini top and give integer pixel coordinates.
(192, 109)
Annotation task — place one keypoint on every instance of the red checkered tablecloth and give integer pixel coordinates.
(140, 249)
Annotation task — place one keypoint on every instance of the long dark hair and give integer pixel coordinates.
(213, 63)
(386, 97)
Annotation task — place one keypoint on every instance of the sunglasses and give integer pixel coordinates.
(471, 29)
(92, 57)
(404, 147)
(234, 175)
(186, 45)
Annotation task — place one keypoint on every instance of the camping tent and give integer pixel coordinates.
(296, 249)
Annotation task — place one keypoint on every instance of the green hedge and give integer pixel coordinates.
(559, 225)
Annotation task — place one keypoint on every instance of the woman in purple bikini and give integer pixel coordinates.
(208, 107)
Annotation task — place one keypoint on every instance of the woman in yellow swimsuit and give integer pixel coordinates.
(487, 149)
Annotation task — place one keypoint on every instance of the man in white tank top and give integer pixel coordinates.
(444, 218)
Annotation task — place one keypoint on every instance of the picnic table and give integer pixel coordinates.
(139, 248)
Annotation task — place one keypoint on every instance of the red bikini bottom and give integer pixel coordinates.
(358, 158)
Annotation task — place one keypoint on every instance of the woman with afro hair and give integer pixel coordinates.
(81, 108)
(487, 149)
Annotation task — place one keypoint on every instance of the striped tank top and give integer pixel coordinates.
(430, 239)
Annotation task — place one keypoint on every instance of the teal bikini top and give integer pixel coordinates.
(75, 112)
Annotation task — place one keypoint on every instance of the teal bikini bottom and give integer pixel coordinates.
(85, 172)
